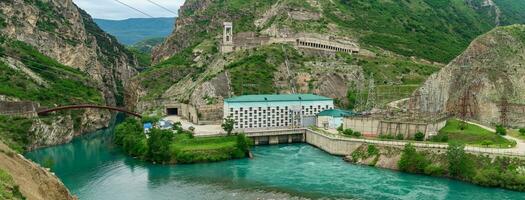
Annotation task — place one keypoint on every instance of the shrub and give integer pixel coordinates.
(500, 130)
(412, 161)
(372, 150)
(159, 145)
(357, 134)
(150, 119)
(340, 129)
(459, 164)
(400, 137)
(387, 136)
(441, 137)
(420, 136)
(434, 170)
(348, 132)
(228, 124)
(486, 143)
(522, 131)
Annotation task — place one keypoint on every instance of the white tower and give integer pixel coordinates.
(227, 40)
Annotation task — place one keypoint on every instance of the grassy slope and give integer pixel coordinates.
(473, 135)
(436, 30)
(66, 85)
(8, 189)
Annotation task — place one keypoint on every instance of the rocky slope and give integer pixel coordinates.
(32, 181)
(52, 53)
(486, 82)
(401, 44)
(62, 31)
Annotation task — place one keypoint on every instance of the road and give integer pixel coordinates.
(200, 130)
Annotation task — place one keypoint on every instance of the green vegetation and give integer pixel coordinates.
(500, 130)
(371, 151)
(14, 132)
(419, 136)
(471, 135)
(412, 161)
(459, 164)
(350, 133)
(63, 85)
(8, 188)
(143, 58)
(254, 74)
(167, 146)
(503, 172)
(228, 124)
(437, 30)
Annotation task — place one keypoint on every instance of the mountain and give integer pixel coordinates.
(397, 45)
(52, 53)
(486, 82)
(131, 31)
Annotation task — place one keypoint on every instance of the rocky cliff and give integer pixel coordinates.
(64, 32)
(486, 82)
(51, 52)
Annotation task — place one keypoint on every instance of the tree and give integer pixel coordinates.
(159, 145)
(412, 161)
(351, 95)
(500, 130)
(486, 143)
(522, 131)
(459, 164)
(340, 129)
(420, 136)
(227, 125)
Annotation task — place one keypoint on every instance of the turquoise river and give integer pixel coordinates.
(93, 168)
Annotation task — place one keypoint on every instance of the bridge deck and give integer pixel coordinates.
(71, 107)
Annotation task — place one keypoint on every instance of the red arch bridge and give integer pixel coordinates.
(74, 107)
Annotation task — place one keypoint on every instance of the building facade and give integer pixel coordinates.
(275, 111)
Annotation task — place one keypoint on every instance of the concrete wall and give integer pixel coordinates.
(367, 126)
(329, 122)
(22, 108)
(333, 146)
(375, 127)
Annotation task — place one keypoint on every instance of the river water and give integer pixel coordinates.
(93, 168)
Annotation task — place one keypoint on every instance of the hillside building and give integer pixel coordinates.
(275, 111)
(332, 118)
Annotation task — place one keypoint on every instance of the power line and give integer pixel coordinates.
(169, 10)
(144, 13)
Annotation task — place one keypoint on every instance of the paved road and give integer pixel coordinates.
(200, 130)
(520, 144)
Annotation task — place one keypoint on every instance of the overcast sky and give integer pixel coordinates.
(111, 9)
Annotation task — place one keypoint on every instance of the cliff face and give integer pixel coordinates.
(62, 31)
(51, 52)
(487, 81)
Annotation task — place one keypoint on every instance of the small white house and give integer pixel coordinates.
(333, 118)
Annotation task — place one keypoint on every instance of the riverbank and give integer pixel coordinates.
(172, 146)
(455, 163)
(24, 179)
(92, 167)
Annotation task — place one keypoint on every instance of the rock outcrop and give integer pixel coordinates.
(486, 82)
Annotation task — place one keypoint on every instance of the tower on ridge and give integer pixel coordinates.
(227, 40)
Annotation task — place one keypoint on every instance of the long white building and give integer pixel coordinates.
(275, 111)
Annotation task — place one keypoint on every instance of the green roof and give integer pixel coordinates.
(336, 113)
(277, 97)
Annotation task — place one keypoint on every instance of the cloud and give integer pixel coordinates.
(111, 9)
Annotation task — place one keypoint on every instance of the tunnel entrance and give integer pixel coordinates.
(172, 111)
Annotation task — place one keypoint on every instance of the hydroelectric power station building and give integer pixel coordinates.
(275, 111)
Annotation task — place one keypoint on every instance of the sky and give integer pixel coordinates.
(111, 9)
